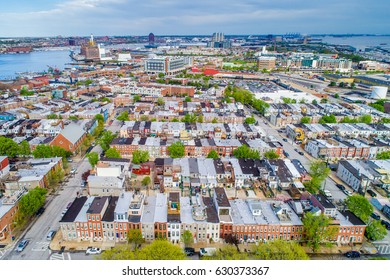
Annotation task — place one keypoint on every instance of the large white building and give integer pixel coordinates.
(167, 65)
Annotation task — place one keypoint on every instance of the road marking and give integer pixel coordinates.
(41, 246)
(3, 252)
(57, 257)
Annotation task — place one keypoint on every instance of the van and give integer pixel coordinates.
(328, 193)
(50, 235)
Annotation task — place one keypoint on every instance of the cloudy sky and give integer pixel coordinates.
(180, 17)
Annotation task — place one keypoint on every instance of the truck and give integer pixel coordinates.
(207, 252)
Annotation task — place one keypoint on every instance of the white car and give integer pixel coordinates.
(93, 251)
(347, 192)
(73, 170)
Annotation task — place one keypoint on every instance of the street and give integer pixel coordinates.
(38, 247)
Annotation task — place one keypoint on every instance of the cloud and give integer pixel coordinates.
(133, 17)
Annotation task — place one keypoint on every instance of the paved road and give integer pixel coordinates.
(38, 247)
(290, 147)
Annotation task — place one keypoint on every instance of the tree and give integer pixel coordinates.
(375, 230)
(324, 100)
(214, 120)
(332, 84)
(136, 98)
(317, 230)
(140, 156)
(280, 250)
(146, 181)
(161, 250)
(124, 116)
(383, 155)
(134, 236)
(105, 139)
(213, 154)
(306, 119)
(347, 119)
(160, 101)
(250, 120)
(228, 252)
(385, 120)
(57, 151)
(328, 119)
(174, 120)
(99, 118)
(360, 206)
(31, 202)
(93, 158)
(189, 118)
(187, 238)
(318, 172)
(8, 147)
(187, 99)
(271, 154)
(112, 153)
(314, 102)
(336, 95)
(176, 150)
(118, 253)
(24, 149)
(245, 152)
(42, 151)
(200, 118)
(365, 119)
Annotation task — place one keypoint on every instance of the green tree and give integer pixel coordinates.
(271, 154)
(161, 250)
(93, 158)
(57, 151)
(160, 101)
(99, 118)
(347, 119)
(31, 202)
(161, 75)
(214, 120)
(8, 147)
(52, 116)
(383, 155)
(360, 206)
(245, 152)
(24, 149)
(136, 98)
(328, 119)
(176, 150)
(314, 102)
(134, 237)
(336, 95)
(306, 119)
(174, 120)
(250, 120)
(105, 139)
(317, 230)
(112, 153)
(228, 252)
(332, 84)
(146, 181)
(324, 100)
(190, 118)
(187, 238)
(124, 116)
(385, 120)
(318, 172)
(375, 230)
(118, 253)
(200, 118)
(140, 156)
(42, 151)
(280, 250)
(365, 119)
(187, 99)
(213, 154)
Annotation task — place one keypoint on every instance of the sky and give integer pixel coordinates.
(20, 18)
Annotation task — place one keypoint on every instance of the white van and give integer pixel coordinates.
(328, 194)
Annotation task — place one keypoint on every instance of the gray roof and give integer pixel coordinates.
(73, 133)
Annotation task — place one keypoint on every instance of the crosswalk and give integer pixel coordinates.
(60, 257)
(41, 246)
(2, 253)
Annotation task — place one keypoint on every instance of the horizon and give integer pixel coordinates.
(47, 18)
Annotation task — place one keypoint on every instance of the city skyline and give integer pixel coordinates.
(173, 17)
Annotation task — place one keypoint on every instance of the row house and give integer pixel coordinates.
(173, 217)
(8, 210)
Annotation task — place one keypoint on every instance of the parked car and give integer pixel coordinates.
(22, 245)
(286, 154)
(285, 140)
(189, 251)
(207, 251)
(328, 193)
(83, 184)
(69, 160)
(386, 224)
(375, 216)
(347, 192)
(301, 153)
(296, 150)
(93, 251)
(40, 211)
(352, 254)
(372, 193)
(340, 186)
(73, 170)
(50, 235)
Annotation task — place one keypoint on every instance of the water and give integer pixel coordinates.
(359, 42)
(36, 61)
